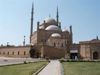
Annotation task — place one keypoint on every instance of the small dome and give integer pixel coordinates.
(56, 35)
(64, 30)
(52, 27)
(41, 27)
(50, 20)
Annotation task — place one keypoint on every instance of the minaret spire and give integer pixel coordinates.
(97, 38)
(57, 16)
(24, 41)
(71, 34)
(32, 13)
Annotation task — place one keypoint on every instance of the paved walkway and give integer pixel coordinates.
(53, 68)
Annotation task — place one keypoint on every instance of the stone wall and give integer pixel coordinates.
(87, 50)
(51, 52)
(34, 38)
(57, 42)
(18, 52)
(44, 35)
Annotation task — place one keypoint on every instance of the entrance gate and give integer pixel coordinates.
(95, 55)
(73, 54)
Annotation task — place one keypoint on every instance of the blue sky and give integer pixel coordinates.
(83, 15)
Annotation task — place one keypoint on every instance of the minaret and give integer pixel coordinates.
(32, 13)
(71, 34)
(57, 17)
(97, 38)
(59, 25)
(24, 41)
(38, 23)
(70, 29)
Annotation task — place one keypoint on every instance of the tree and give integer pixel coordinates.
(32, 52)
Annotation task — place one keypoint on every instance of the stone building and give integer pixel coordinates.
(13, 51)
(90, 49)
(49, 40)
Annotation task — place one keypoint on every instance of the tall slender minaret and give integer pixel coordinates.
(71, 34)
(31, 29)
(57, 16)
(97, 38)
(24, 41)
(70, 29)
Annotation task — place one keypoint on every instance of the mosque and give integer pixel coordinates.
(49, 40)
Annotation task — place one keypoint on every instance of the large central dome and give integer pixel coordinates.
(50, 20)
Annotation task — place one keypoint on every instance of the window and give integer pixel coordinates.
(12, 53)
(54, 44)
(4, 53)
(8, 53)
(95, 55)
(24, 53)
(62, 45)
(18, 52)
(58, 43)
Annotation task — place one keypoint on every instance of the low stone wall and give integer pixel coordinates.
(15, 51)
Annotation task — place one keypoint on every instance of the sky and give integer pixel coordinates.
(83, 15)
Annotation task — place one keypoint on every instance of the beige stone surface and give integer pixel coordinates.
(53, 68)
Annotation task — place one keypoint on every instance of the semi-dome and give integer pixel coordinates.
(56, 35)
(41, 27)
(50, 20)
(52, 27)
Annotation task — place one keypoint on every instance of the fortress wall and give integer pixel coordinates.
(18, 52)
(51, 52)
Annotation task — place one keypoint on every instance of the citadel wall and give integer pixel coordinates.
(51, 52)
(17, 52)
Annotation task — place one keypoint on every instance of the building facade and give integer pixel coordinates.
(49, 40)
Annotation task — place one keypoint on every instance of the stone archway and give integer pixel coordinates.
(95, 55)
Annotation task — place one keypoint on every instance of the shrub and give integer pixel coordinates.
(62, 60)
(25, 62)
(5, 60)
(47, 58)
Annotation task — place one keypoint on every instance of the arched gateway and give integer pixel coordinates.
(95, 55)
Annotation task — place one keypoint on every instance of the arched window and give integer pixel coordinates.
(95, 55)
(24, 53)
(54, 44)
(18, 52)
(4, 53)
(65, 42)
(8, 53)
(12, 53)
(62, 45)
